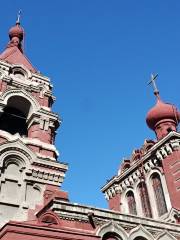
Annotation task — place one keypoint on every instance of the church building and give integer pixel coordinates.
(143, 197)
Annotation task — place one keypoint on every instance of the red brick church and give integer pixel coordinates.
(144, 196)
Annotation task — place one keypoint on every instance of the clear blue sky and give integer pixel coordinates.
(99, 55)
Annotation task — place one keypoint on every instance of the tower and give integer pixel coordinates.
(143, 197)
(147, 184)
(29, 169)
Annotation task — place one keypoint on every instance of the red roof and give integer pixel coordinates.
(162, 111)
(14, 56)
(14, 53)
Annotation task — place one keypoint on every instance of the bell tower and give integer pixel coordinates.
(28, 157)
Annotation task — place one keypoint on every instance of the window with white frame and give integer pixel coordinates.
(159, 194)
(131, 203)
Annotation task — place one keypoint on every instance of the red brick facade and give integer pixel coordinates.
(32, 205)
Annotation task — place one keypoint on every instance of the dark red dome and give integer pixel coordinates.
(162, 112)
(16, 31)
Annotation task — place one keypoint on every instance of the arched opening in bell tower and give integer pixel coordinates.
(14, 117)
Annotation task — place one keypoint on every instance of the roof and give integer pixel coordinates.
(14, 56)
(14, 53)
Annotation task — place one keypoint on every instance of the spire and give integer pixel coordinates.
(18, 17)
(14, 53)
(16, 34)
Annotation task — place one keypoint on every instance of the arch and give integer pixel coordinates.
(159, 194)
(24, 105)
(131, 202)
(12, 168)
(140, 232)
(140, 238)
(21, 94)
(124, 203)
(13, 159)
(49, 218)
(20, 68)
(112, 228)
(13, 119)
(145, 202)
(17, 107)
(165, 236)
(37, 187)
(156, 170)
(111, 236)
(16, 149)
(172, 215)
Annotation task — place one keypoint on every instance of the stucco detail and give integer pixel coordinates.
(112, 227)
(166, 236)
(5, 96)
(140, 231)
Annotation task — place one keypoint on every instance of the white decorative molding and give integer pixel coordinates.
(140, 231)
(35, 78)
(171, 215)
(20, 68)
(165, 236)
(129, 178)
(167, 149)
(5, 96)
(152, 195)
(47, 176)
(18, 148)
(158, 152)
(2, 74)
(30, 141)
(112, 227)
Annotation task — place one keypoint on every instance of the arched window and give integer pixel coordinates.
(145, 200)
(14, 116)
(140, 238)
(19, 74)
(111, 236)
(131, 203)
(159, 194)
(13, 121)
(11, 185)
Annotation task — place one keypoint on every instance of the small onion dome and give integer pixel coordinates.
(16, 31)
(162, 112)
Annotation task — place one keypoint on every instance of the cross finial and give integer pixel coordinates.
(153, 79)
(18, 17)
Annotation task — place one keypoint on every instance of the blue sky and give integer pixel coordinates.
(99, 55)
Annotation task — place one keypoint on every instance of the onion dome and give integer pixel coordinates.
(162, 112)
(14, 53)
(16, 34)
(16, 31)
(163, 117)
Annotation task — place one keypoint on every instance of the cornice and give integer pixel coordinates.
(158, 152)
(26, 141)
(67, 210)
(5, 66)
(51, 232)
(46, 176)
(57, 166)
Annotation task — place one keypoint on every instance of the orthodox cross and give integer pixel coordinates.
(153, 79)
(18, 17)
